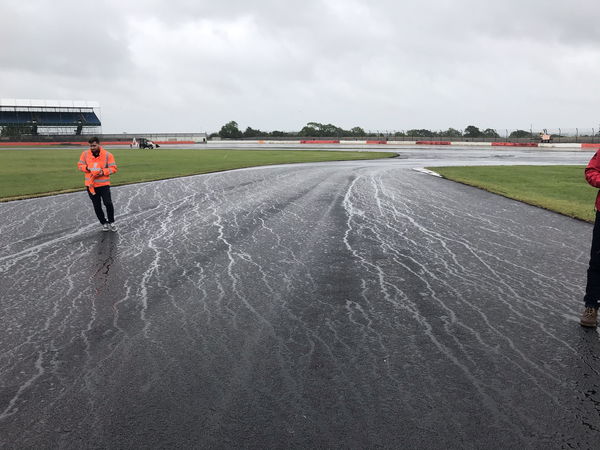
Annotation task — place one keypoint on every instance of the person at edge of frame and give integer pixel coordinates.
(589, 318)
(98, 165)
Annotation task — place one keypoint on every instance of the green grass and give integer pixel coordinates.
(34, 172)
(558, 188)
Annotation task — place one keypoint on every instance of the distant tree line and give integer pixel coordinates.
(314, 129)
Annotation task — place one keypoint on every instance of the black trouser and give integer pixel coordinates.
(592, 289)
(103, 192)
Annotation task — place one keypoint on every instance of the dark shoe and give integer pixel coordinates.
(589, 318)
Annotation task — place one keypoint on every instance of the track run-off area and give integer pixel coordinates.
(351, 304)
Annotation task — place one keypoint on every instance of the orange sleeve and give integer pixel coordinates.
(112, 165)
(81, 165)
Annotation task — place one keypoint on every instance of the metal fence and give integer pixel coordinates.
(557, 135)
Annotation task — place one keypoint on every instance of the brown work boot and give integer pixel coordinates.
(589, 318)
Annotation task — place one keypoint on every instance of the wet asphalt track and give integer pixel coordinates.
(357, 305)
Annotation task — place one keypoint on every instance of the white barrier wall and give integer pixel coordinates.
(567, 145)
(473, 144)
(271, 142)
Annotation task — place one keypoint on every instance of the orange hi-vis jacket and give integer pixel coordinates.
(97, 169)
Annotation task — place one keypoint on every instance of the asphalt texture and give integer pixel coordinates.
(343, 305)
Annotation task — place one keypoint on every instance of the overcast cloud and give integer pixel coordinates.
(193, 65)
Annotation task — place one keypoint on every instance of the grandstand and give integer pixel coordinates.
(19, 117)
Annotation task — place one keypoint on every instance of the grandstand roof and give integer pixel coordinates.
(50, 114)
(42, 104)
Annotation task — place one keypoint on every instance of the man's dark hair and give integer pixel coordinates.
(94, 139)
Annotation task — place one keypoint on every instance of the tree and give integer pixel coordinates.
(490, 133)
(315, 129)
(230, 130)
(250, 133)
(357, 132)
(419, 133)
(330, 130)
(451, 132)
(520, 134)
(311, 129)
(472, 132)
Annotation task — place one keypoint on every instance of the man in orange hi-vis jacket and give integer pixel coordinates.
(98, 165)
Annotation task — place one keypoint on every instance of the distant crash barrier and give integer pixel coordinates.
(434, 143)
(54, 144)
(514, 144)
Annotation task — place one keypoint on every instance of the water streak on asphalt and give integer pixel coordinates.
(353, 304)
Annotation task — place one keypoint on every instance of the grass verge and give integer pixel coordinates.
(562, 189)
(36, 172)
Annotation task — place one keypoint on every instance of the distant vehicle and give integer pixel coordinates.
(146, 143)
(545, 137)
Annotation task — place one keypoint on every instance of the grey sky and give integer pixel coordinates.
(186, 65)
